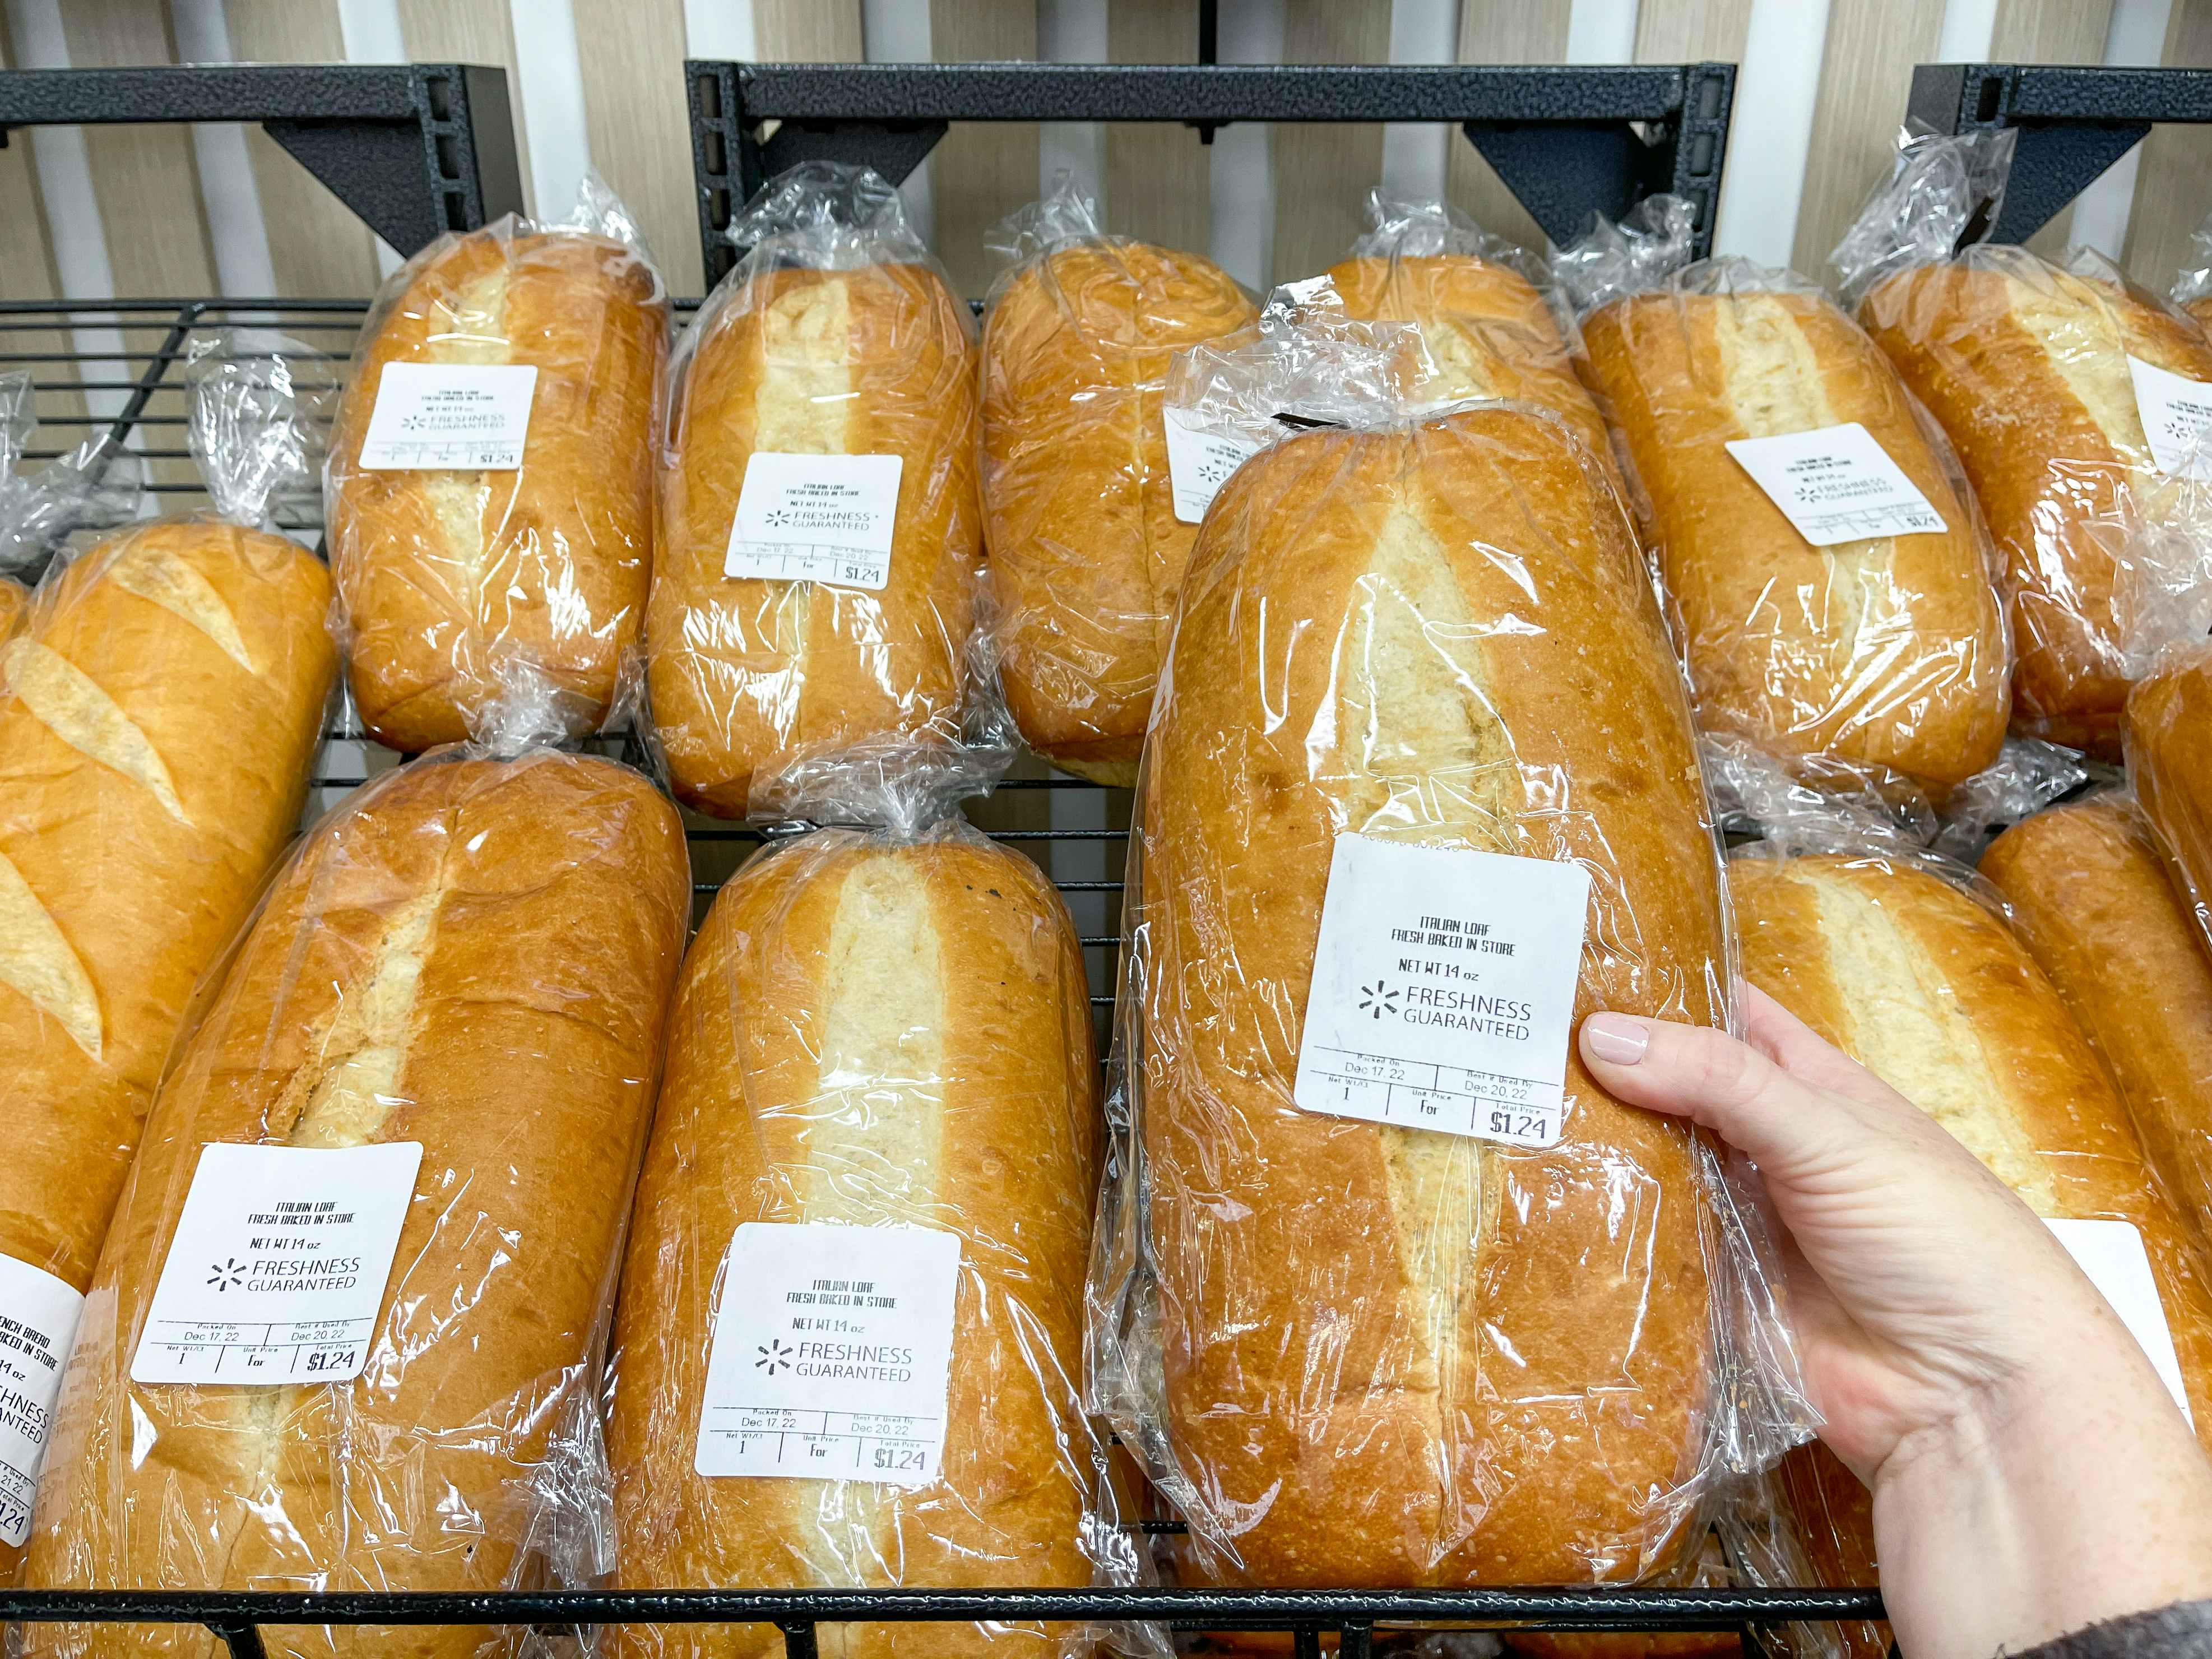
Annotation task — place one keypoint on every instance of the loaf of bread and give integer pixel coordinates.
(1936, 995)
(474, 956)
(1890, 652)
(459, 585)
(1394, 1356)
(1078, 509)
(745, 673)
(2025, 367)
(161, 712)
(2091, 898)
(1829, 1513)
(870, 1032)
(1487, 330)
(2169, 736)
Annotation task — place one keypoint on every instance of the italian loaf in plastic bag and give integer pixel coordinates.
(1913, 965)
(1087, 536)
(850, 1336)
(820, 533)
(1419, 791)
(2042, 372)
(346, 1333)
(490, 484)
(161, 706)
(1868, 628)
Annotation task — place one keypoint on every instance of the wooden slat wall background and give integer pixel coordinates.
(1279, 206)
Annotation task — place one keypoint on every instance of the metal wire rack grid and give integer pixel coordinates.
(116, 367)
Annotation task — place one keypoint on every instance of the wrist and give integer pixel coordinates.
(2067, 1492)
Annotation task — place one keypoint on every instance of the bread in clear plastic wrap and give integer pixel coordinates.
(2168, 741)
(455, 580)
(1890, 652)
(161, 706)
(1354, 1354)
(836, 334)
(1478, 303)
(1709, 1570)
(473, 954)
(1808, 1521)
(1913, 966)
(2026, 364)
(875, 1029)
(1085, 548)
(2090, 892)
(2192, 286)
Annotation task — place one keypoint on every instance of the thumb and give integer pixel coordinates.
(1708, 1077)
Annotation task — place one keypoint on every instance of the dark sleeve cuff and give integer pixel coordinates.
(2182, 1631)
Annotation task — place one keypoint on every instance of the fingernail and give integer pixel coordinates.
(1619, 1038)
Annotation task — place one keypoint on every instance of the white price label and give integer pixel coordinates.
(2175, 413)
(277, 1267)
(449, 417)
(37, 1320)
(1443, 990)
(831, 1352)
(2111, 1255)
(816, 519)
(1837, 484)
(1199, 463)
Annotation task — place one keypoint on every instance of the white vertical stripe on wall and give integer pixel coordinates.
(236, 228)
(1240, 175)
(550, 102)
(719, 30)
(370, 29)
(1603, 31)
(2136, 35)
(897, 32)
(1073, 31)
(1417, 154)
(1771, 130)
(1969, 26)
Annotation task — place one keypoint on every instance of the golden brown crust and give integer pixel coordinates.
(1832, 1515)
(134, 836)
(1079, 512)
(476, 956)
(875, 1034)
(2025, 368)
(1939, 998)
(1344, 660)
(1890, 652)
(15, 599)
(1486, 329)
(875, 361)
(2091, 898)
(2169, 737)
(451, 581)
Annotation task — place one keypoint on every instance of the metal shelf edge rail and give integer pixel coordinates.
(2072, 123)
(1566, 139)
(416, 149)
(236, 1616)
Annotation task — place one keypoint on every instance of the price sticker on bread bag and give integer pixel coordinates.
(2175, 413)
(1199, 463)
(2111, 1255)
(277, 1267)
(1443, 990)
(1837, 484)
(449, 416)
(816, 519)
(831, 1355)
(37, 1320)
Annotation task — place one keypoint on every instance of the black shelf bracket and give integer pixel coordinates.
(1568, 140)
(2072, 122)
(416, 149)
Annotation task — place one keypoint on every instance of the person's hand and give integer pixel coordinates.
(2031, 1474)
